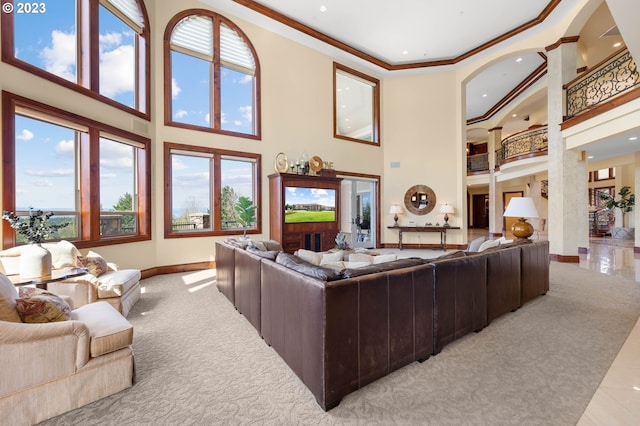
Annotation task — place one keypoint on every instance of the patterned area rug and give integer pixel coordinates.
(199, 362)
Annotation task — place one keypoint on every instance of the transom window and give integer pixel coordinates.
(51, 158)
(98, 47)
(213, 79)
(204, 186)
(356, 106)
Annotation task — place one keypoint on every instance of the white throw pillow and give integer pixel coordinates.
(488, 244)
(354, 265)
(310, 256)
(331, 257)
(384, 258)
(336, 266)
(475, 244)
(360, 257)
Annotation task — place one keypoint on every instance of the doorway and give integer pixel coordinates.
(480, 212)
(358, 211)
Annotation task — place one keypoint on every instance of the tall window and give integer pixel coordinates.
(213, 79)
(90, 175)
(105, 57)
(204, 186)
(356, 106)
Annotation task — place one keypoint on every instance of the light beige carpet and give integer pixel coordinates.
(199, 362)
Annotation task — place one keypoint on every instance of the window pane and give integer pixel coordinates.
(354, 108)
(48, 40)
(45, 168)
(190, 90)
(117, 59)
(117, 188)
(190, 193)
(236, 97)
(237, 180)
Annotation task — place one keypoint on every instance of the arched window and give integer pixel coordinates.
(98, 47)
(213, 75)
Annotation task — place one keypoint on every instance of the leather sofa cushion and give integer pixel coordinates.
(267, 254)
(108, 329)
(297, 264)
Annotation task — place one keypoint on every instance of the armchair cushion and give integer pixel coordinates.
(36, 305)
(108, 329)
(8, 296)
(117, 283)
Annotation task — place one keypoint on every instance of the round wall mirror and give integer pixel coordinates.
(420, 199)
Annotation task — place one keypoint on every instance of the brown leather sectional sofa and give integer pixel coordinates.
(341, 331)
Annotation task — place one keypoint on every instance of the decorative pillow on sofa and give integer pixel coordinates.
(475, 244)
(309, 256)
(36, 306)
(331, 257)
(488, 244)
(361, 257)
(95, 263)
(383, 258)
(273, 245)
(298, 264)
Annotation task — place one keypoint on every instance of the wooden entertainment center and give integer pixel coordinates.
(316, 236)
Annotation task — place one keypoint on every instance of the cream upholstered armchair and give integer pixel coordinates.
(51, 368)
(119, 287)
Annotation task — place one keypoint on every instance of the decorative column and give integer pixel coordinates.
(568, 212)
(495, 188)
(636, 209)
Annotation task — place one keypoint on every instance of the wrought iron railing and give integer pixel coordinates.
(602, 83)
(527, 143)
(478, 163)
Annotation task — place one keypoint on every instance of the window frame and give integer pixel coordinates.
(215, 75)
(375, 107)
(87, 168)
(216, 190)
(88, 64)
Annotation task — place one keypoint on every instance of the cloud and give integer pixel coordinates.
(247, 113)
(223, 118)
(191, 181)
(26, 135)
(50, 173)
(60, 58)
(207, 118)
(117, 71)
(115, 155)
(42, 182)
(181, 113)
(175, 89)
(110, 39)
(65, 148)
(245, 80)
(177, 163)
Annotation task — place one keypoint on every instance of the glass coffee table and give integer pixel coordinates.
(56, 275)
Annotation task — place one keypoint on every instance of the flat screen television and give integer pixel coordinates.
(307, 205)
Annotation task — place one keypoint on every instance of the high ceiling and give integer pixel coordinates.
(388, 37)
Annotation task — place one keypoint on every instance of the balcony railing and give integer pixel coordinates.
(529, 143)
(605, 81)
(477, 163)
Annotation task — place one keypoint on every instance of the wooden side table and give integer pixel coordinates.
(441, 229)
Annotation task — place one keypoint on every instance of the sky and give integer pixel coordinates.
(45, 172)
(298, 195)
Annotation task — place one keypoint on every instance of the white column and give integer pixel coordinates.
(495, 188)
(568, 193)
(636, 209)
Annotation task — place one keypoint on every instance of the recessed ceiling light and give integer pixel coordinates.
(514, 115)
(519, 60)
(618, 44)
(633, 138)
(404, 52)
(323, 8)
(484, 96)
(590, 157)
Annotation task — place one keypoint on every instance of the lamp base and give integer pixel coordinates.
(446, 221)
(395, 220)
(522, 229)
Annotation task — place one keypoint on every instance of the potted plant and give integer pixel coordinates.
(35, 260)
(625, 203)
(246, 212)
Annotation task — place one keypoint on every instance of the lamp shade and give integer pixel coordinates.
(395, 209)
(446, 209)
(521, 207)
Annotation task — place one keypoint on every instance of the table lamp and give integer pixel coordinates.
(446, 209)
(395, 210)
(522, 208)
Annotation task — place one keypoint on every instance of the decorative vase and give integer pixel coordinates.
(35, 262)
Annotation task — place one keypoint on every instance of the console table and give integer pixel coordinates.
(441, 229)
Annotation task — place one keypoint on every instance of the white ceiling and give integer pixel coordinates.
(388, 35)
